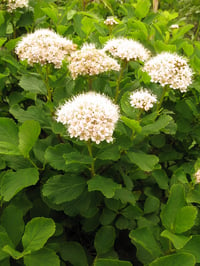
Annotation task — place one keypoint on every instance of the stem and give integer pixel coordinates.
(119, 80)
(155, 5)
(92, 170)
(162, 98)
(49, 90)
(90, 83)
(34, 165)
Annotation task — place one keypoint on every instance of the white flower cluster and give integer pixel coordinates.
(14, 4)
(89, 116)
(44, 46)
(169, 69)
(91, 61)
(142, 99)
(197, 176)
(127, 49)
(110, 21)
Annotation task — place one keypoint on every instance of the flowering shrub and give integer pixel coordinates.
(99, 134)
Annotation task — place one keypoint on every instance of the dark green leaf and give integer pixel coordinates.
(104, 239)
(145, 162)
(43, 257)
(111, 262)
(175, 259)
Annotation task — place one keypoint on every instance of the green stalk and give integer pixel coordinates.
(119, 80)
(92, 170)
(49, 90)
(165, 88)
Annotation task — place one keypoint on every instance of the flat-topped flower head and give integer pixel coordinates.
(44, 46)
(142, 99)
(127, 49)
(169, 69)
(14, 4)
(91, 61)
(89, 116)
(110, 21)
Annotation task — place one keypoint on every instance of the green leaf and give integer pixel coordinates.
(74, 253)
(63, 188)
(77, 158)
(51, 12)
(125, 195)
(178, 241)
(161, 178)
(32, 84)
(111, 262)
(151, 204)
(145, 162)
(192, 247)
(132, 124)
(4, 241)
(175, 259)
(13, 182)
(104, 239)
(157, 126)
(144, 237)
(8, 137)
(37, 232)
(175, 202)
(43, 257)
(12, 220)
(160, 46)
(106, 185)
(142, 8)
(185, 219)
(12, 252)
(29, 132)
(54, 156)
(107, 216)
(109, 153)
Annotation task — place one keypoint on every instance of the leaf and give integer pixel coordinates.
(106, 185)
(74, 253)
(178, 241)
(125, 195)
(185, 219)
(175, 202)
(132, 124)
(52, 13)
(175, 259)
(107, 216)
(12, 220)
(104, 239)
(37, 232)
(8, 137)
(144, 237)
(13, 182)
(43, 257)
(109, 153)
(192, 247)
(145, 162)
(32, 84)
(29, 132)
(4, 241)
(161, 178)
(142, 8)
(111, 262)
(63, 188)
(77, 158)
(151, 204)
(12, 252)
(157, 126)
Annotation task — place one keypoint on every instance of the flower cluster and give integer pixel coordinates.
(127, 49)
(142, 99)
(44, 46)
(89, 116)
(91, 61)
(197, 176)
(110, 21)
(169, 69)
(14, 4)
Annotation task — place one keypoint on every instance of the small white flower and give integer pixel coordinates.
(89, 116)
(127, 49)
(110, 21)
(197, 176)
(14, 4)
(142, 99)
(174, 26)
(169, 69)
(91, 61)
(44, 46)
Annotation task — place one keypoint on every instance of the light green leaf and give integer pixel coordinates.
(157, 126)
(74, 253)
(4, 241)
(145, 162)
(125, 195)
(8, 137)
(185, 219)
(178, 241)
(43, 257)
(12, 252)
(132, 124)
(29, 132)
(51, 12)
(111, 262)
(13, 182)
(175, 202)
(37, 232)
(142, 8)
(32, 84)
(185, 259)
(104, 239)
(192, 247)
(106, 185)
(63, 188)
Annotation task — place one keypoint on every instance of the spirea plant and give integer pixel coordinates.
(99, 134)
